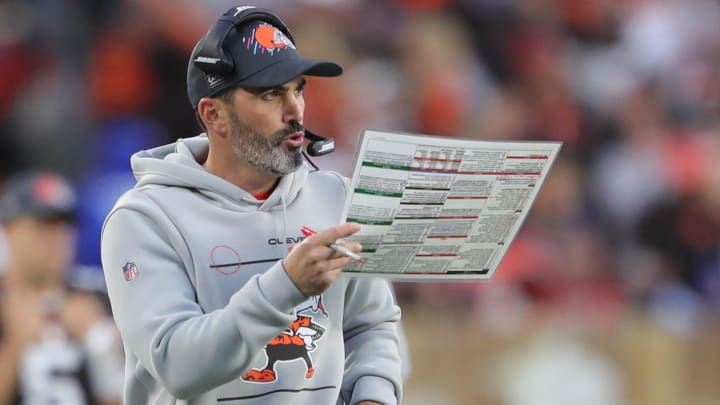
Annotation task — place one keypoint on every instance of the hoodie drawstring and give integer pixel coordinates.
(285, 222)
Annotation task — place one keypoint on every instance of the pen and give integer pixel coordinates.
(334, 246)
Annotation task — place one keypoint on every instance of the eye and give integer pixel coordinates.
(268, 95)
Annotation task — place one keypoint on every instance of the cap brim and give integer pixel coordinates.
(42, 216)
(48, 214)
(284, 71)
(61, 216)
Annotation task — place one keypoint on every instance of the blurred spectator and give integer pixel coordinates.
(631, 173)
(686, 231)
(444, 80)
(133, 72)
(57, 342)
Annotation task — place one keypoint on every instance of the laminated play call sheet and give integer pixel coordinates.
(441, 208)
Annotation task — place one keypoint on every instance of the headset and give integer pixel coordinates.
(213, 59)
(319, 145)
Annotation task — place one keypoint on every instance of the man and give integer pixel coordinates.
(58, 343)
(218, 296)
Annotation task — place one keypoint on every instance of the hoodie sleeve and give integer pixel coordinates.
(372, 365)
(184, 349)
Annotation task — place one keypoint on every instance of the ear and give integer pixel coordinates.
(212, 114)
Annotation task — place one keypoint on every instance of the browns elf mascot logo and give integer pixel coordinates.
(295, 343)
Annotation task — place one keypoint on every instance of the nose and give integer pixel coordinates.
(294, 108)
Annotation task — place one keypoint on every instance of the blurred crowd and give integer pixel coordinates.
(628, 222)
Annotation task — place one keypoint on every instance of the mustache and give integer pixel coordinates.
(293, 127)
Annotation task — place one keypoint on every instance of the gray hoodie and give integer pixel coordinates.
(207, 313)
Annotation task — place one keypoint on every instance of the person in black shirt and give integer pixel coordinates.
(58, 344)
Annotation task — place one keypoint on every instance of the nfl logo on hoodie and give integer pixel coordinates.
(130, 271)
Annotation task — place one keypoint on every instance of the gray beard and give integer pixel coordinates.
(265, 153)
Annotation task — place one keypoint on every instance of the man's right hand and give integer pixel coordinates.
(313, 266)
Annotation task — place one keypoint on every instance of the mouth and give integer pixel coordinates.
(295, 139)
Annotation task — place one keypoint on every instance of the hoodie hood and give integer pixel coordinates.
(179, 165)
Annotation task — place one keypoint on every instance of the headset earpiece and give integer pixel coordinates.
(212, 57)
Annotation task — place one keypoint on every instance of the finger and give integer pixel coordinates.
(354, 246)
(331, 275)
(325, 254)
(318, 253)
(337, 264)
(334, 233)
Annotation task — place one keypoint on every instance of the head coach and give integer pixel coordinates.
(218, 295)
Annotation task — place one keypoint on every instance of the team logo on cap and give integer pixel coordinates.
(267, 38)
(50, 190)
